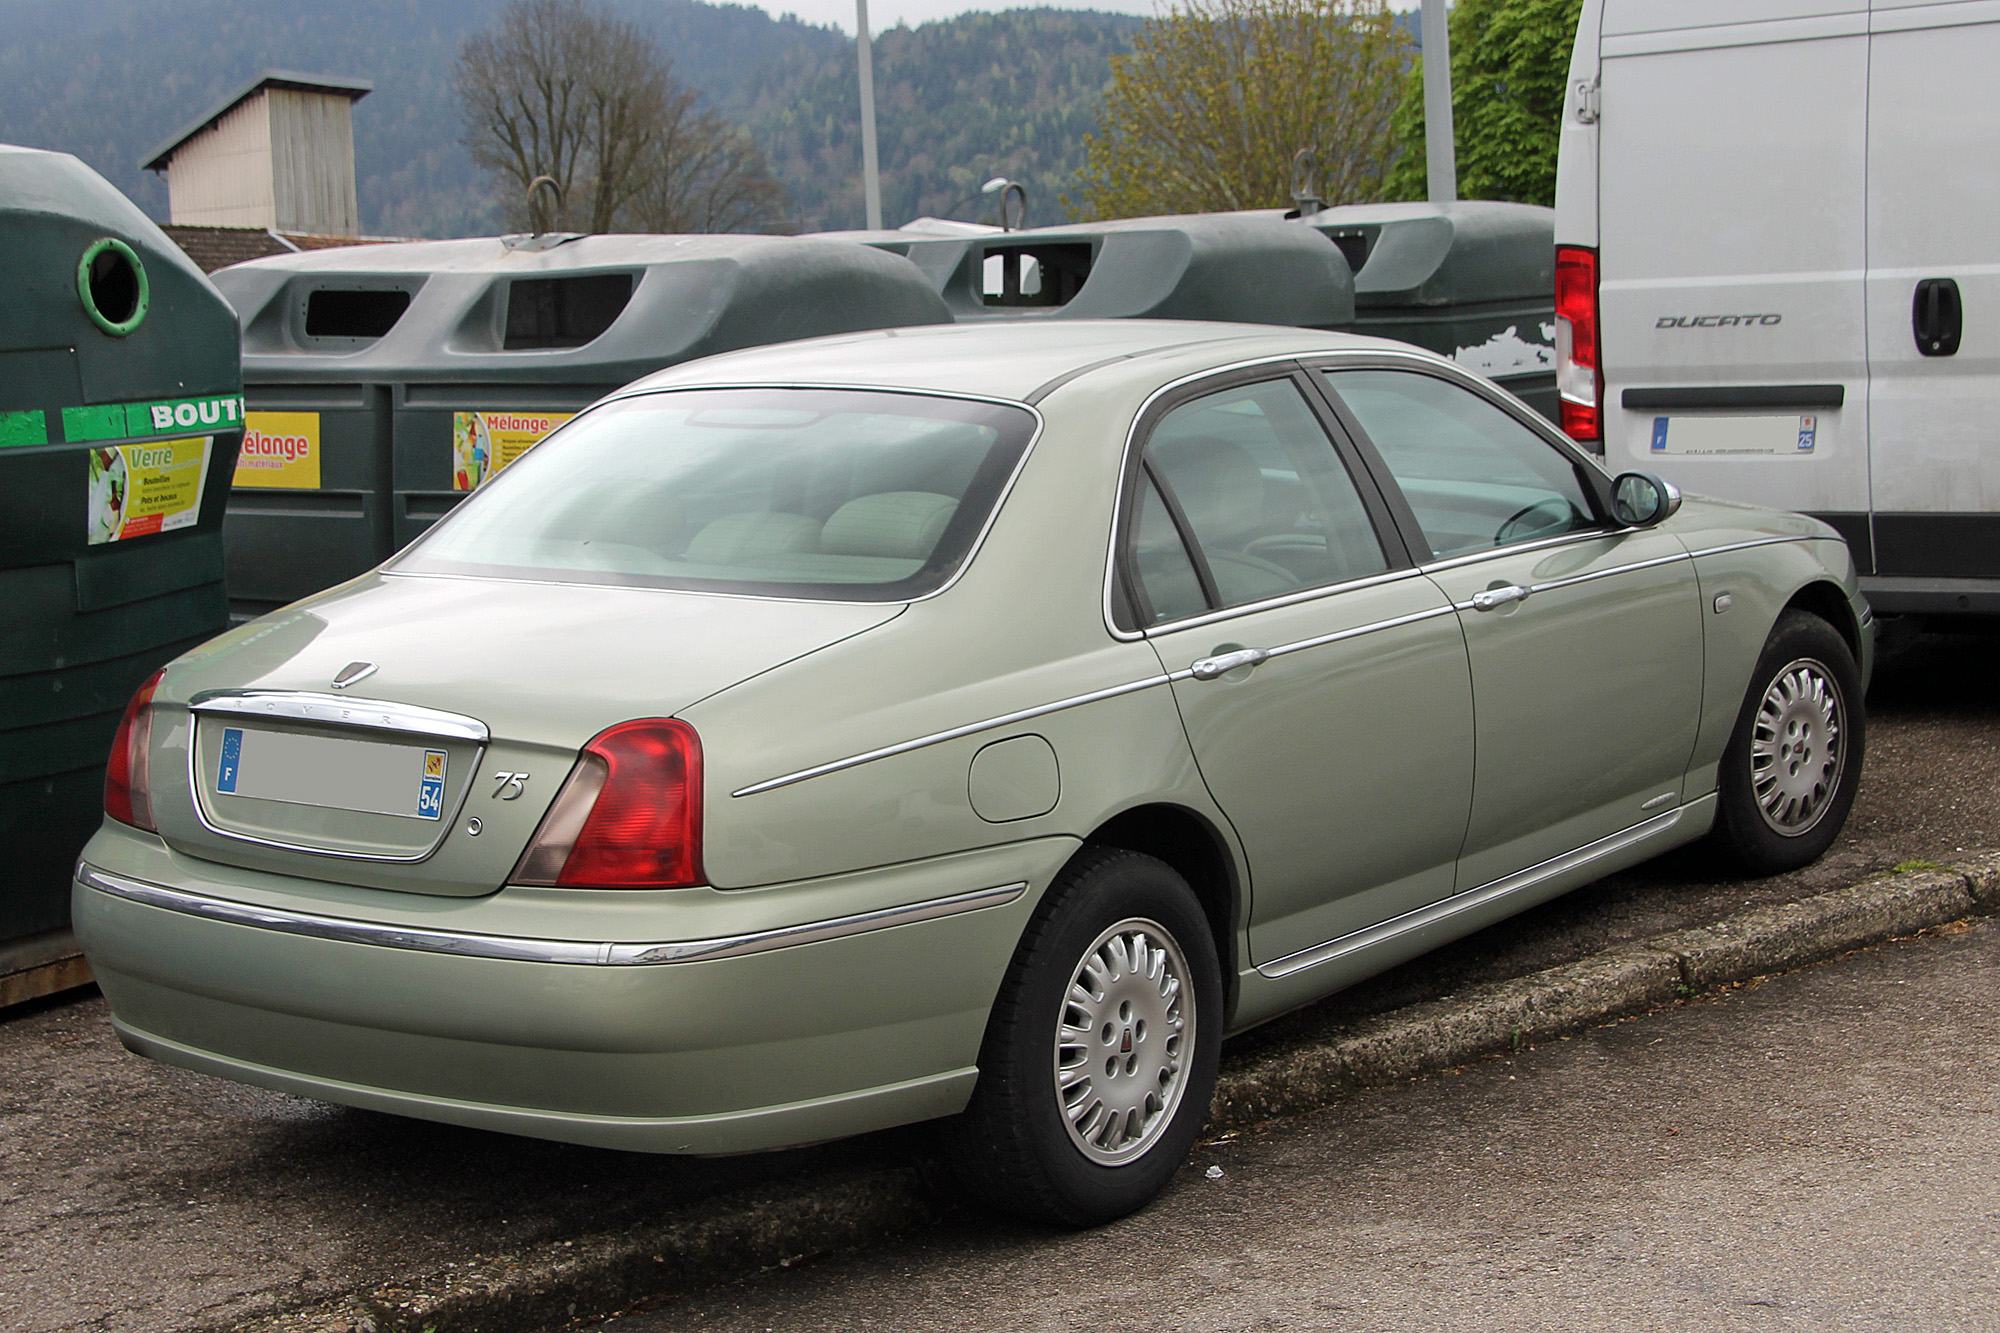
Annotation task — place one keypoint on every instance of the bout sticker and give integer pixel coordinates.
(430, 799)
(123, 421)
(279, 449)
(137, 490)
(484, 442)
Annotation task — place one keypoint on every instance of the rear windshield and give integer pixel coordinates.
(819, 493)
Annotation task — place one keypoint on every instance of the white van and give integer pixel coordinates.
(1778, 269)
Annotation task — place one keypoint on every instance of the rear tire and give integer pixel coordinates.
(1100, 1056)
(1793, 763)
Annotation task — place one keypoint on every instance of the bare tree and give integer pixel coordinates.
(1217, 95)
(564, 89)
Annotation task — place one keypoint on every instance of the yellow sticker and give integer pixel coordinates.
(140, 489)
(279, 449)
(484, 442)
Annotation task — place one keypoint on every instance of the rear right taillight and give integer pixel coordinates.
(126, 795)
(1579, 359)
(629, 817)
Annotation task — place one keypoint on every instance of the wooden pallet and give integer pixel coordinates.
(41, 965)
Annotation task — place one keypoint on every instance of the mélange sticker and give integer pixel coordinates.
(137, 490)
(484, 442)
(280, 449)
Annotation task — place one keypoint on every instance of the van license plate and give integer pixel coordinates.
(373, 777)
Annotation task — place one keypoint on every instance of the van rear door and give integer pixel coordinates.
(1933, 220)
(1732, 198)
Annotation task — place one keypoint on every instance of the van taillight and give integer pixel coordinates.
(1579, 364)
(127, 797)
(629, 816)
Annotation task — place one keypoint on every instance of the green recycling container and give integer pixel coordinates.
(120, 413)
(1248, 268)
(1473, 280)
(387, 381)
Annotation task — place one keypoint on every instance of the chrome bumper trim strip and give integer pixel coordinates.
(511, 949)
(341, 711)
(1485, 893)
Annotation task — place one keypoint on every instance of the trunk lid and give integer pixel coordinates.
(463, 699)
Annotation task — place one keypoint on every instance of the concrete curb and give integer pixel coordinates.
(719, 1240)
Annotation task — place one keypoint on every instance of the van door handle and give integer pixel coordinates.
(1210, 668)
(1937, 316)
(1493, 598)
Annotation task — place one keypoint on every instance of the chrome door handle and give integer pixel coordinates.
(1208, 668)
(1498, 597)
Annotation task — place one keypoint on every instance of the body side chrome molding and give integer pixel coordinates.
(512, 949)
(342, 711)
(954, 733)
(1448, 907)
(1473, 603)
(1075, 701)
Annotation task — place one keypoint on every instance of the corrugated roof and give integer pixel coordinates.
(352, 89)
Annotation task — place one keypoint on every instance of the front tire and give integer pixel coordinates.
(1792, 765)
(1100, 1056)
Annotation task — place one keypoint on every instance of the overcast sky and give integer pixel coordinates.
(888, 13)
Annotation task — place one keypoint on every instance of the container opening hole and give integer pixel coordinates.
(354, 314)
(563, 312)
(1354, 247)
(114, 286)
(1034, 275)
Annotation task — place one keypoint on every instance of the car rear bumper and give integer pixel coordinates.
(626, 1021)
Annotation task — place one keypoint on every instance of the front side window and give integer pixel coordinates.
(1257, 491)
(818, 493)
(1476, 478)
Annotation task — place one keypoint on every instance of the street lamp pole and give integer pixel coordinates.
(1440, 142)
(871, 167)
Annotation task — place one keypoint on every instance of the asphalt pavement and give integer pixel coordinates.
(133, 1196)
(1817, 1151)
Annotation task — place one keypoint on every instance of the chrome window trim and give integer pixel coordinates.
(1272, 603)
(971, 552)
(296, 706)
(1524, 548)
(1446, 908)
(344, 711)
(1078, 700)
(515, 949)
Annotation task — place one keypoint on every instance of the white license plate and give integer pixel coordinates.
(1797, 437)
(369, 776)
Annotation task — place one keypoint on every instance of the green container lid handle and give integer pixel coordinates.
(111, 283)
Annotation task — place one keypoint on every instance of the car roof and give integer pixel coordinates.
(1013, 359)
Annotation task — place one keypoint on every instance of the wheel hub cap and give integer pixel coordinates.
(1798, 748)
(1123, 1039)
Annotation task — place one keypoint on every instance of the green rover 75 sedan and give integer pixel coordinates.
(972, 722)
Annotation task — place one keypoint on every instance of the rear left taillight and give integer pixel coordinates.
(127, 797)
(629, 817)
(1579, 360)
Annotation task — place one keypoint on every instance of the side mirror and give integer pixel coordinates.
(1640, 499)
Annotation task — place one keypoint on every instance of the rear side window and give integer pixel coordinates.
(1475, 477)
(1253, 487)
(784, 492)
